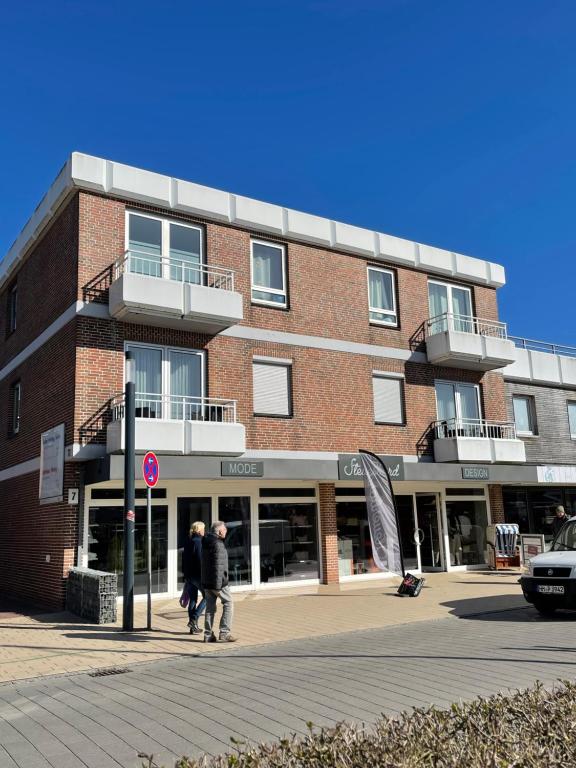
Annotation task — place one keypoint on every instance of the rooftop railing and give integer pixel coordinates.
(448, 321)
(476, 428)
(177, 408)
(170, 268)
(543, 346)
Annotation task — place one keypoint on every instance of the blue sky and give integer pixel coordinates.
(447, 122)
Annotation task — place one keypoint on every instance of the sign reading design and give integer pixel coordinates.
(475, 473)
(242, 469)
(350, 467)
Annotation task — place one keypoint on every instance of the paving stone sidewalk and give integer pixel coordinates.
(190, 705)
(38, 645)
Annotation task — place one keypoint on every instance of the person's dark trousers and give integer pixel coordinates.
(195, 611)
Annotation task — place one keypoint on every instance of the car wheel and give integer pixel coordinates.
(544, 609)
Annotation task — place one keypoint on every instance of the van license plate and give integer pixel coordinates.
(550, 589)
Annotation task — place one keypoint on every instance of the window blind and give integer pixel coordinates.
(271, 389)
(388, 406)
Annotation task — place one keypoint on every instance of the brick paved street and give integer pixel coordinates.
(192, 704)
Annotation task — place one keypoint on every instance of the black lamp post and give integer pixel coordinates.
(129, 510)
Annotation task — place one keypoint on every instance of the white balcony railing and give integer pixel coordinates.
(475, 428)
(544, 346)
(448, 321)
(146, 264)
(175, 408)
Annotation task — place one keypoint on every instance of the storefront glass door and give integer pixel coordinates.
(428, 532)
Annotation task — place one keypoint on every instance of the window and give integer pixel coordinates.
(162, 248)
(458, 410)
(572, 418)
(15, 407)
(524, 415)
(106, 545)
(447, 300)
(457, 401)
(381, 296)
(269, 273)
(272, 388)
(388, 399)
(169, 382)
(288, 542)
(12, 309)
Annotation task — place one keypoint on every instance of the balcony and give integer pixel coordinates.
(184, 426)
(172, 293)
(478, 442)
(463, 341)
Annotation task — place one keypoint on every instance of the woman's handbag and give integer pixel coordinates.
(184, 598)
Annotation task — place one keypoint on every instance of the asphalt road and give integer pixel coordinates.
(196, 704)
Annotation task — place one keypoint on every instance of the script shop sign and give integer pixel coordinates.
(350, 467)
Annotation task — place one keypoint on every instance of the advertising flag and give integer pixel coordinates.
(382, 517)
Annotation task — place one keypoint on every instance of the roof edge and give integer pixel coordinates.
(96, 174)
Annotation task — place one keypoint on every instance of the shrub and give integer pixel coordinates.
(528, 729)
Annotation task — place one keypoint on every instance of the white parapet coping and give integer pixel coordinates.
(535, 367)
(123, 181)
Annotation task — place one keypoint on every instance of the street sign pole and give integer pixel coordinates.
(151, 475)
(129, 492)
(149, 529)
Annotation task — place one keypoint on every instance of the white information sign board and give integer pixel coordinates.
(52, 465)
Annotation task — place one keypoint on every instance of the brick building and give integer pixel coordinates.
(270, 346)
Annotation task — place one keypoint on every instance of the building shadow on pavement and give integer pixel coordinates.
(493, 608)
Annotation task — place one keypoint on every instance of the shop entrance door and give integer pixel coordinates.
(427, 532)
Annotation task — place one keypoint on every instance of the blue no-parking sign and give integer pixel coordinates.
(150, 469)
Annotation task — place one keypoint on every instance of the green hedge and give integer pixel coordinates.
(528, 729)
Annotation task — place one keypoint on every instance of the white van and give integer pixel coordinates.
(551, 581)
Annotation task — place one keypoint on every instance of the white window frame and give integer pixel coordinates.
(12, 308)
(16, 406)
(165, 238)
(533, 431)
(278, 363)
(393, 314)
(457, 408)
(166, 363)
(568, 404)
(264, 288)
(450, 286)
(391, 377)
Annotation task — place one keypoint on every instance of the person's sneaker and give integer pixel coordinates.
(227, 639)
(195, 629)
(210, 639)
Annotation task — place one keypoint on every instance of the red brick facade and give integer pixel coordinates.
(72, 377)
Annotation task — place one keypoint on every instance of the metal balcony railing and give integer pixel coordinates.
(448, 321)
(143, 263)
(176, 408)
(476, 428)
(543, 346)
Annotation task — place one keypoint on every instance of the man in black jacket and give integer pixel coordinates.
(192, 572)
(215, 584)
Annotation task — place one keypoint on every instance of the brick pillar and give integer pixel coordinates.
(328, 533)
(496, 503)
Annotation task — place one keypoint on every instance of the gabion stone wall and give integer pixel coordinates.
(92, 595)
